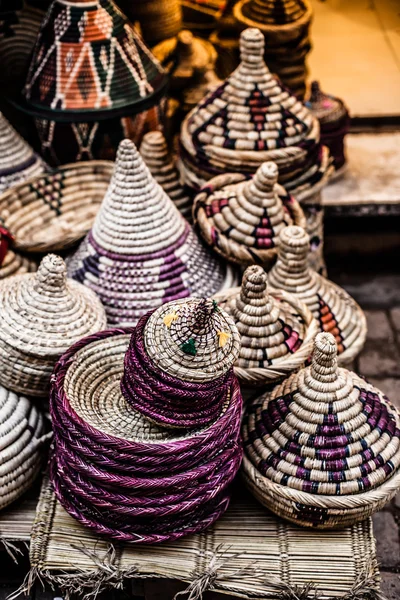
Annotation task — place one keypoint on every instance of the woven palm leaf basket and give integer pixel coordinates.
(12, 263)
(91, 82)
(323, 448)
(334, 309)
(22, 439)
(158, 19)
(241, 218)
(117, 472)
(285, 25)
(53, 211)
(334, 120)
(277, 330)
(141, 252)
(43, 313)
(155, 153)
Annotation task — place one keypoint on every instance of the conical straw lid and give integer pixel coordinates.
(242, 220)
(17, 159)
(251, 119)
(324, 430)
(155, 153)
(44, 313)
(326, 108)
(21, 436)
(334, 309)
(88, 58)
(141, 252)
(193, 340)
(273, 13)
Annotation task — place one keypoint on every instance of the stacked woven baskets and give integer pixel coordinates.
(141, 252)
(101, 82)
(251, 119)
(277, 330)
(42, 315)
(116, 471)
(323, 448)
(285, 25)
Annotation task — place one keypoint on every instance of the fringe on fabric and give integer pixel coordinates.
(12, 550)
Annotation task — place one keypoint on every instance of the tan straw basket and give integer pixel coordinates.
(334, 309)
(241, 218)
(43, 314)
(276, 329)
(16, 264)
(53, 211)
(323, 448)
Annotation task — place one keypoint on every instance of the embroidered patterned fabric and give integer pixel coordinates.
(141, 252)
(88, 58)
(251, 119)
(18, 161)
(335, 311)
(122, 475)
(178, 367)
(324, 430)
(241, 218)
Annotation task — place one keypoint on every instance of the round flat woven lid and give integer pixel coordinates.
(242, 218)
(88, 58)
(93, 388)
(44, 313)
(324, 430)
(334, 309)
(21, 431)
(270, 329)
(155, 153)
(192, 339)
(325, 108)
(273, 13)
(17, 159)
(249, 113)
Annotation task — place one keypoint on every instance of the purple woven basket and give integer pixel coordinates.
(121, 475)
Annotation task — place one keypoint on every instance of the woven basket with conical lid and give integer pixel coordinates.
(323, 448)
(178, 368)
(141, 252)
(42, 315)
(276, 329)
(155, 153)
(17, 159)
(273, 14)
(241, 218)
(248, 120)
(334, 309)
(21, 445)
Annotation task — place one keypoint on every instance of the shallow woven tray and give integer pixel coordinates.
(54, 211)
(249, 552)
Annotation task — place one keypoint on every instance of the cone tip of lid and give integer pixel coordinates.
(185, 37)
(255, 274)
(154, 138)
(52, 266)
(251, 43)
(266, 174)
(294, 235)
(325, 343)
(126, 147)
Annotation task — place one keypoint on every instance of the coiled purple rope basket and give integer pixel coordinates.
(123, 476)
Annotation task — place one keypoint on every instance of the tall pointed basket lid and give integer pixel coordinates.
(323, 448)
(249, 119)
(18, 161)
(241, 218)
(276, 329)
(335, 310)
(88, 60)
(141, 252)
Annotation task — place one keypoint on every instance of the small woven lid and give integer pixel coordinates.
(140, 252)
(326, 108)
(17, 159)
(155, 153)
(270, 329)
(249, 119)
(44, 313)
(334, 309)
(192, 339)
(89, 59)
(243, 220)
(324, 430)
(273, 13)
